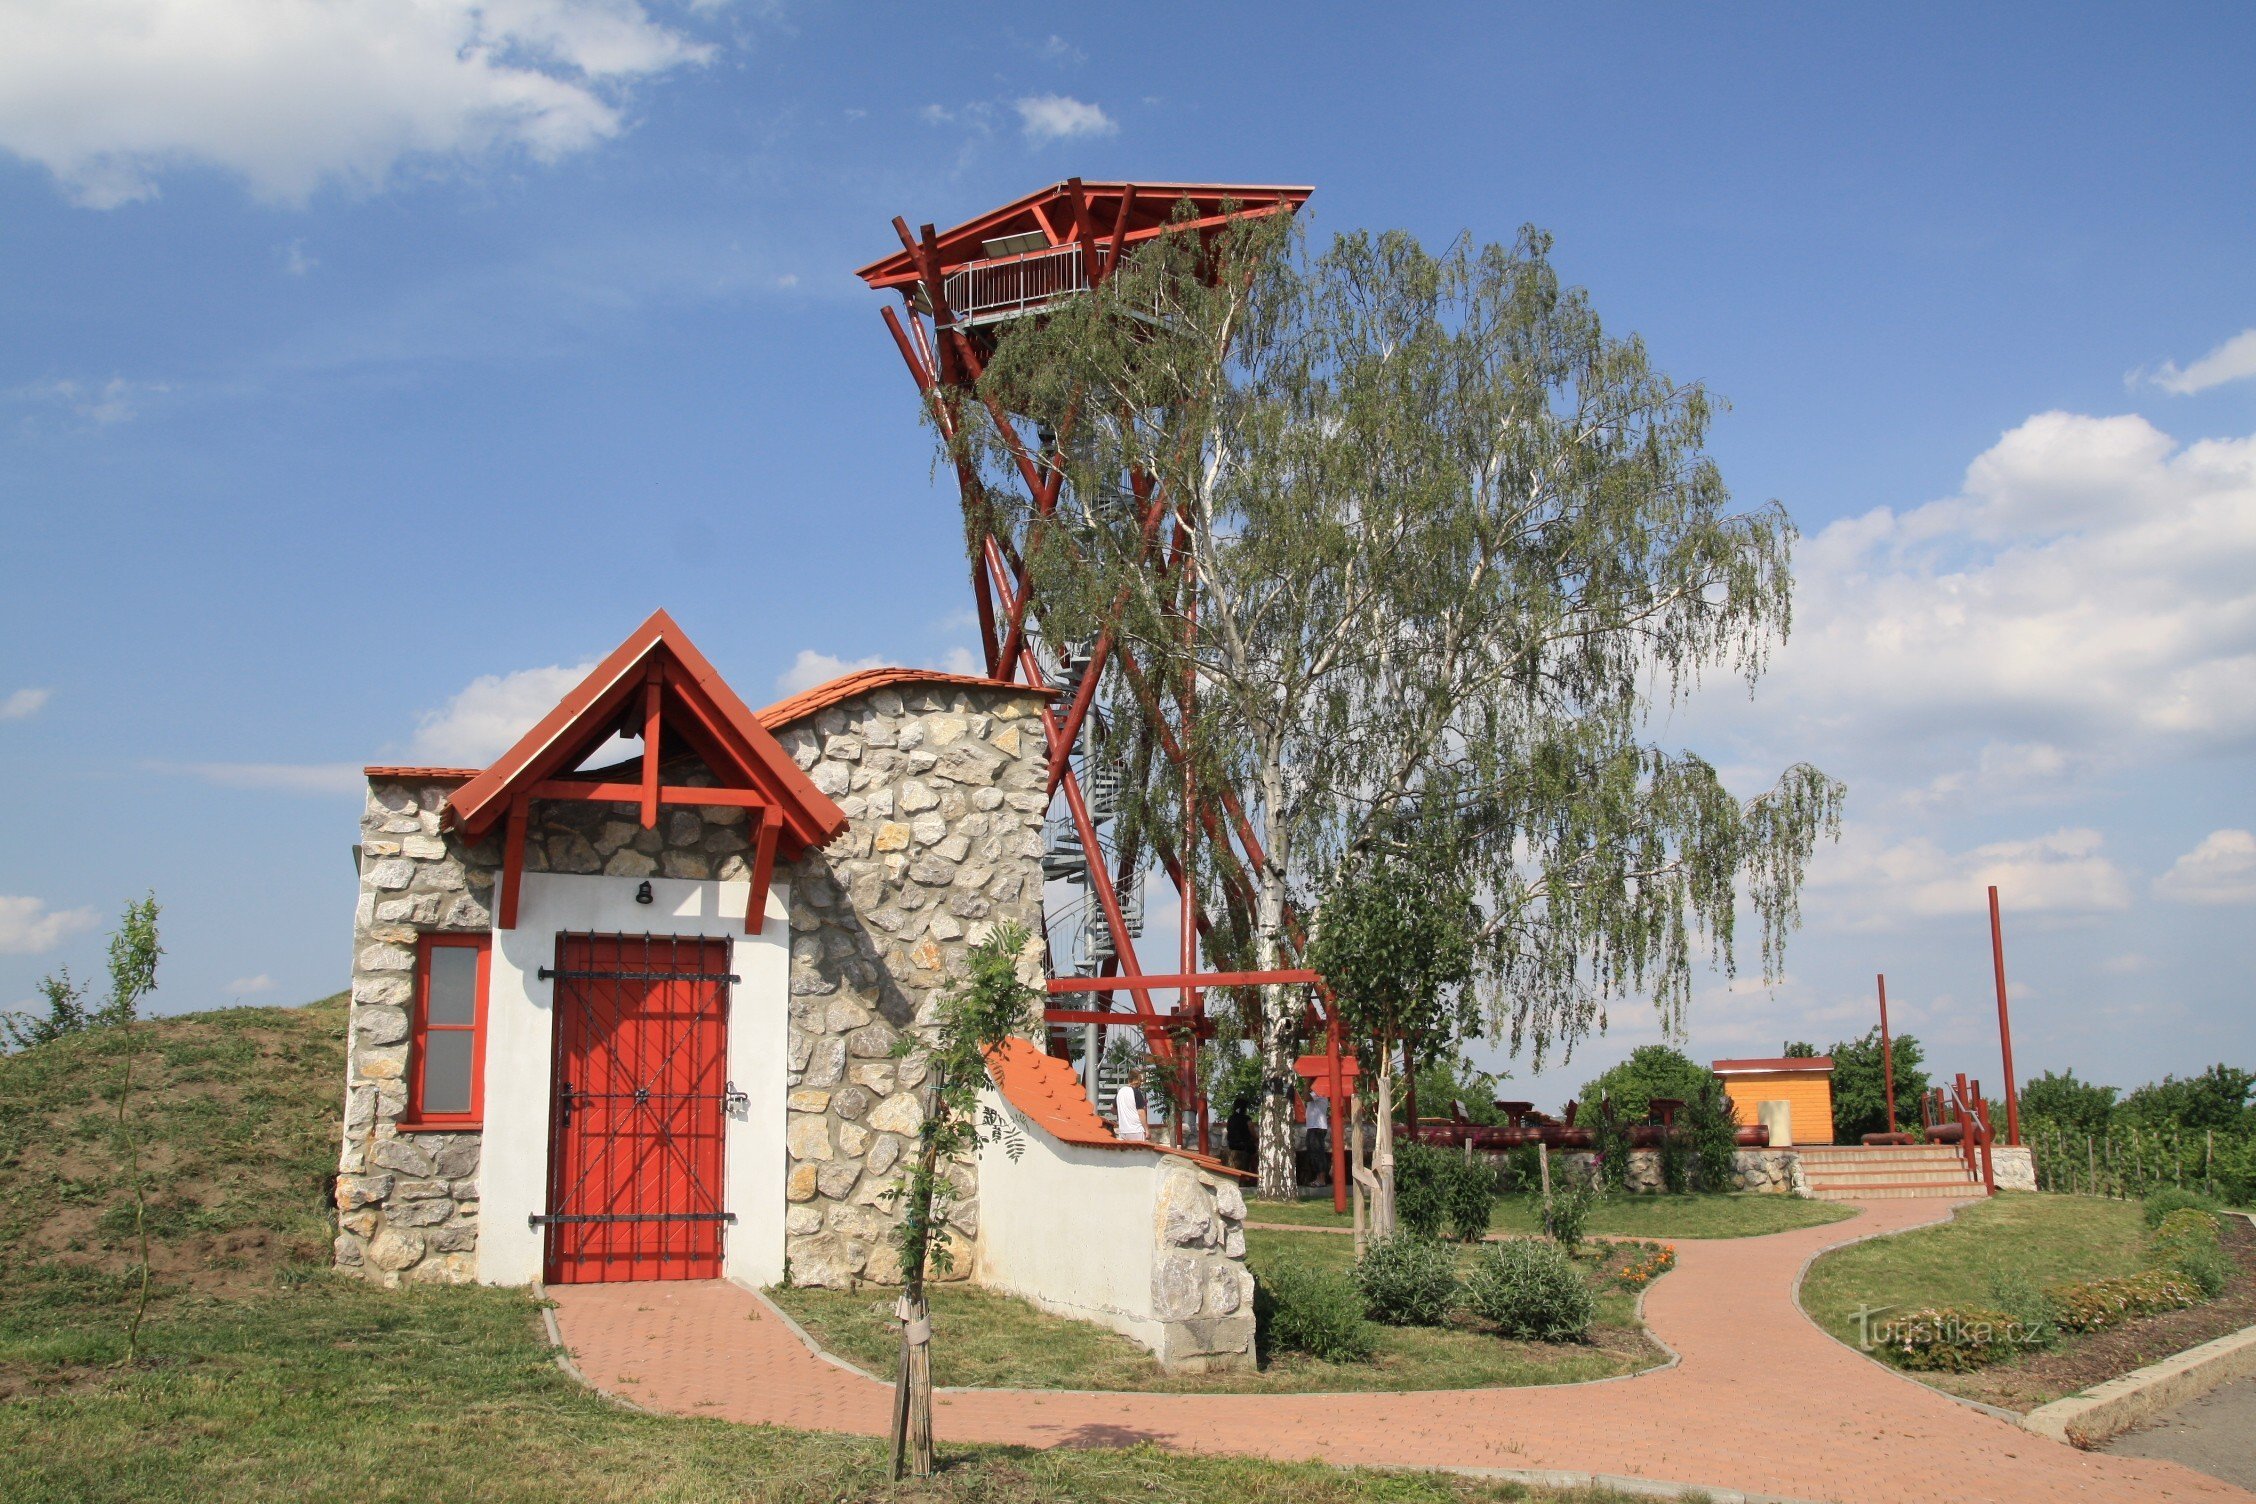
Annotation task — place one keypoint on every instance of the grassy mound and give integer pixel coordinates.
(267, 1379)
(236, 1111)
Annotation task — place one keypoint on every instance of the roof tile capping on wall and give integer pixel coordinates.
(1146, 1240)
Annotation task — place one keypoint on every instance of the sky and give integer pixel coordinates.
(366, 369)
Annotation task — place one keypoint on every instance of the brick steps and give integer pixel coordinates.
(1886, 1173)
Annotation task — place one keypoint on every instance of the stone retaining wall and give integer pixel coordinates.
(1763, 1171)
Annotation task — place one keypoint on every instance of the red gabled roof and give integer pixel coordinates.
(1779, 1063)
(846, 686)
(1049, 212)
(443, 775)
(1049, 1091)
(701, 711)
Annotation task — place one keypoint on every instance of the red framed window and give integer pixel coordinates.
(446, 1057)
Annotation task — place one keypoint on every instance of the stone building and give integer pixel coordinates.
(651, 1012)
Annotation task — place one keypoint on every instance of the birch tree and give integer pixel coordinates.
(1402, 527)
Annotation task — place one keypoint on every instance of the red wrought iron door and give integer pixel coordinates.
(641, 1092)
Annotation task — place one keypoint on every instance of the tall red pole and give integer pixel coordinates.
(1887, 1055)
(2005, 1026)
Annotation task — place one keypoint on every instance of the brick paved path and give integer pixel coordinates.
(1762, 1401)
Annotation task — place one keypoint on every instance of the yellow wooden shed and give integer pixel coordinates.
(1803, 1082)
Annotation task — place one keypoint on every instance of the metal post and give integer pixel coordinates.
(1338, 1089)
(2005, 1027)
(1887, 1056)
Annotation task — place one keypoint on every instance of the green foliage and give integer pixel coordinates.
(1407, 1280)
(1522, 1172)
(2065, 1103)
(2020, 1297)
(1798, 1049)
(1423, 1175)
(1652, 1070)
(1469, 1193)
(1675, 1155)
(1567, 1213)
(1609, 1142)
(2186, 1243)
(1397, 947)
(1301, 1309)
(1450, 1078)
(1949, 1339)
(1532, 1291)
(1708, 1124)
(2217, 1099)
(2100, 1303)
(1860, 1098)
(1454, 539)
(66, 1014)
(990, 1004)
(2160, 1204)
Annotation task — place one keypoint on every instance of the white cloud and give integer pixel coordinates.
(811, 668)
(291, 94)
(1872, 880)
(2222, 869)
(2234, 360)
(245, 986)
(2092, 590)
(481, 722)
(1060, 117)
(275, 777)
(28, 926)
(23, 704)
(295, 261)
(98, 402)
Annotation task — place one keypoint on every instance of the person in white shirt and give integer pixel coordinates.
(1128, 1107)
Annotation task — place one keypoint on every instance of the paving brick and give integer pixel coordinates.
(1762, 1402)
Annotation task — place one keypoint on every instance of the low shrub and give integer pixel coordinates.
(1676, 1162)
(1609, 1137)
(1422, 1178)
(1714, 1135)
(1468, 1192)
(1949, 1339)
(2160, 1204)
(2019, 1297)
(2186, 1243)
(1573, 1193)
(2101, 1303)
(1301, 1310)
(1532, 1290)
(1407, 1280)
(1522, 1173)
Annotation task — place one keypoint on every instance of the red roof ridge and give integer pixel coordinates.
(1049, 1091)
(1777, 1063)
(388, 770)
(862, 681)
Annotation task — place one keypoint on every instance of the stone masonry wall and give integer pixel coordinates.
(945, 786)
(407, 1205)
(1769, 1171)
(1201, 1287)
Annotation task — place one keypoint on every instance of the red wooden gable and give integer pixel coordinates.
(657, 686)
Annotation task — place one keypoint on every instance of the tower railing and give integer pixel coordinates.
(984, 292)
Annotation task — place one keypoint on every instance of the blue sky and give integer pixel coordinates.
(356, 365)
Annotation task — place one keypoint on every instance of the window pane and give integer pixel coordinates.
(454, 985)
(446, 1070)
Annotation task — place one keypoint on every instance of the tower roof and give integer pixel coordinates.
(1090, 213)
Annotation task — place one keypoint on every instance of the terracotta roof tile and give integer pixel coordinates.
(443, 774)
(1049, 1091)
(845, 687)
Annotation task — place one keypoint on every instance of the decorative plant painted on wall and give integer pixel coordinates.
(991, 1003)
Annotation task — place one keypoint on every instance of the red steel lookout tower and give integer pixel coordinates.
(961, 290)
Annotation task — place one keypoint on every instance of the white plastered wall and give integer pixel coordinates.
(513, 1165)
(1070, 1228)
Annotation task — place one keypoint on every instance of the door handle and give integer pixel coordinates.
(564, 1101)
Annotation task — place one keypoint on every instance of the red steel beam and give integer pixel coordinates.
(1284, 977)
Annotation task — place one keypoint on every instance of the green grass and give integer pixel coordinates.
(1654, 1216)
(266, 1379)
(2041, 1239)
(985, 1339)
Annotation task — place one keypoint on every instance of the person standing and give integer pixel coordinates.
(1128, 1108)
(1237, 1136)
(1320, 1138)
